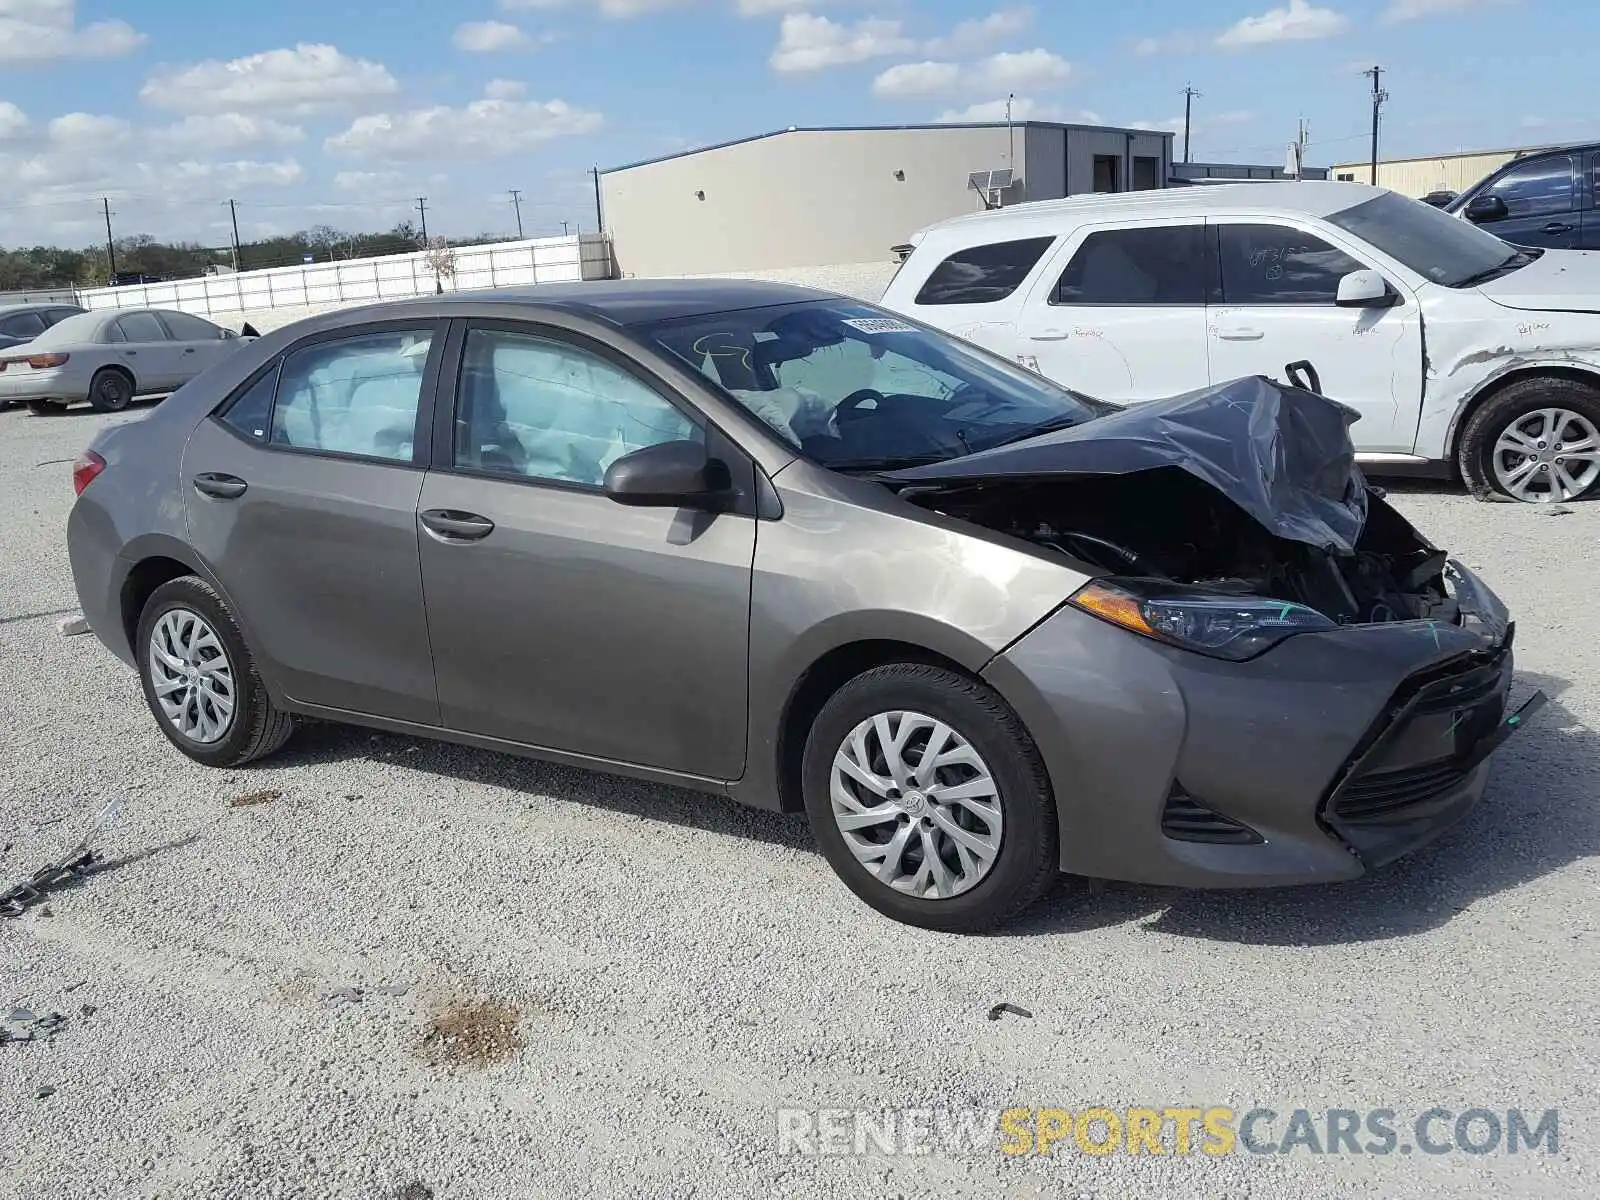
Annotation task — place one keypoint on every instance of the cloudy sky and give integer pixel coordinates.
(309, 111)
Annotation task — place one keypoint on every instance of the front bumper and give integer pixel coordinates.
(1325, 757)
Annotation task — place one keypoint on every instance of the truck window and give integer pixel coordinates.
(1274, 264)
(983, 274)
(1150, 265)
(1536, 189)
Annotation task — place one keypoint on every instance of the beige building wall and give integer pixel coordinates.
(1417, 177)
(798, 199)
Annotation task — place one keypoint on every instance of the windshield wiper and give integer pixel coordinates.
(1515, 262)
(1049, 425)
(871, 466)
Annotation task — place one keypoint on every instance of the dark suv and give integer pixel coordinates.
(1545, 198)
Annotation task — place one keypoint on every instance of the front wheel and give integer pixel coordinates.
(929, 799)
(1537, 441)
(200, 680)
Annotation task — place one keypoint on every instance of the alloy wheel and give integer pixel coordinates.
(916, 804)
(191, 676)
(1547, 455)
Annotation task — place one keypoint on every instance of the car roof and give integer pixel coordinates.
(37, 306)
(617, 301)
(1311, 197)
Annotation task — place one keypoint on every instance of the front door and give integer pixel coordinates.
(1541, 200)
(1279, 284)
(302, 497)
(199, 343)
(1120, 312)
(558, 617)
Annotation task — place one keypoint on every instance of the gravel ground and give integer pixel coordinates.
(612, 986)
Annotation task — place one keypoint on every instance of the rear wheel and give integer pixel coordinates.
(110, 390)
(200, 680)
(1537, 441)
(929, 799)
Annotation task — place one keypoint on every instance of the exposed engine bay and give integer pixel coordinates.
(1167, 525)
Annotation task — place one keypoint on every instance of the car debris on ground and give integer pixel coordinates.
(72, 626)
(1004, 1007)
(355, 995)
(23, 1025)
(265, 796)
(75, 863)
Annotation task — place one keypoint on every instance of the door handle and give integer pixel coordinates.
(1053, 334)
(452, 525)
(1557, 227)
(1237, 333)
(220, 487)
(189, 350)
(130, 353)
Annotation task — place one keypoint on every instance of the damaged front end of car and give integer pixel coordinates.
(1221, 520)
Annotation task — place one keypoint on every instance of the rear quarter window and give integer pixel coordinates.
(983, 274)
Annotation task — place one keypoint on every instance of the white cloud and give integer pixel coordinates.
(968, 37)
(227, 131)
(366, 181)
(87, 131)
(13, 120)
(812, 43)
(917, 79)
(765, 8)
(1023, 108)
(616, 9)
(1024, 70)
(312, 77)
(483, 129)
(489, 37)
(1182, 42)
(505, 89)
(1299, 21)
(1400, 11)
(46, 30)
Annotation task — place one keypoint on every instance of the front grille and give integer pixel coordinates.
(1185, 819)
(1384, 797)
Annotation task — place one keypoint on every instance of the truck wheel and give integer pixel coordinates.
(1536, 441)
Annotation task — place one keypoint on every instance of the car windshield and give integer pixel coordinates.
(1445, 249)
(856, 387)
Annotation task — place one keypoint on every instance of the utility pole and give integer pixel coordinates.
(516, 203)
(564, 225)
(1011, 136)
(111, 249)
(1189, 94)
(1300, 151)
(1378, 97)
(422, 211)
(233, 210)
(599, 217)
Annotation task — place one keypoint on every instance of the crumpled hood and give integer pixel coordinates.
(1282, 454)
(1556, 281)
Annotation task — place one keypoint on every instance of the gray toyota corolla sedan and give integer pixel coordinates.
(769, 541)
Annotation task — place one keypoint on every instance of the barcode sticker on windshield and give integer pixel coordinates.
(879, 325)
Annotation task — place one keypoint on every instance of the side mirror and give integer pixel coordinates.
(669, 475)
(1487, 208)
(1365, 289)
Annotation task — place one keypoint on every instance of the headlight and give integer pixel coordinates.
(1231, 627)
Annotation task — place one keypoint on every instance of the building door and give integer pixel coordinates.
(1107, 172)
(1146, 173)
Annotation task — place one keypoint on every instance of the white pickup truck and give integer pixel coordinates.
(1462, 354)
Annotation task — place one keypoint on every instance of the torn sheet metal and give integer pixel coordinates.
(72, 864)
(22, 1025)
(1282, 454)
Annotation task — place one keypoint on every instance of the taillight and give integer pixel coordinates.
(39, 362)
(84, 470)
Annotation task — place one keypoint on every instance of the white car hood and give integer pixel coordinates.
(1557, 281)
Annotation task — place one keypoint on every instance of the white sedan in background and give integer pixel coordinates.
(111, 356)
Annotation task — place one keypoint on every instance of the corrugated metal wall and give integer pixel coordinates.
(1418, 176)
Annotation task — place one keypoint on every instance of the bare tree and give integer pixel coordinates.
(441, 260)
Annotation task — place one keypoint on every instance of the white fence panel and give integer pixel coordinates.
(369, 280)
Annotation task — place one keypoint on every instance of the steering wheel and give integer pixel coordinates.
(851, 404)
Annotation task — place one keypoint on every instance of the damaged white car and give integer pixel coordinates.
(1465, 356)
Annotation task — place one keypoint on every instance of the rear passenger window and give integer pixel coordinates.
(983, 274)
(1274, 264)
(142, 327)
(357, 395)
(1156, 265)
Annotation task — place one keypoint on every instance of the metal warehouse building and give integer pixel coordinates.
(1417, 177)
(819, 197)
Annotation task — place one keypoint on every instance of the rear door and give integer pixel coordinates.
(558, 617)
(1279, 283)
(1542, 203)
(1120, 313)
(145, 348)
(301, 495)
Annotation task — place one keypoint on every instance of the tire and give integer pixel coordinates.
(255, 727)
(46, 408)
(1519, 408)
(111, 390)
(1026, 863)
